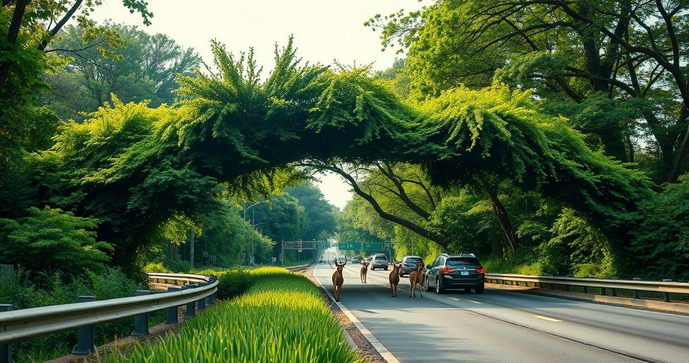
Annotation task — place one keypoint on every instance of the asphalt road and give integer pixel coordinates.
(503, 326)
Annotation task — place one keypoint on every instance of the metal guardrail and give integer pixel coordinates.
(290, 268)
(30, 323)
(666, 287)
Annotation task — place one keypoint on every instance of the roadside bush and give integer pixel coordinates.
(45, 289)
(52, 238)
(155, 267)
(281, 318)
(234, 282)
(661, 247)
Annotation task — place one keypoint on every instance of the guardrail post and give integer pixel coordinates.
(141, 321)
(85, 336)
(636, 292)
(202, 301)
(211, 298)
(614, 291)
(603, 291)
(191, 307)
(5, 349)
(666, 298)
(172, 312)
(567, 286)
(586, 289)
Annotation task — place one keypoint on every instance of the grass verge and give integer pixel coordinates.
(281, 318)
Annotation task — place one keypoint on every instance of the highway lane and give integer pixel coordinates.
(507, 326)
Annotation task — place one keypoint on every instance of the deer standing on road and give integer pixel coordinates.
(338, 280)
(364, 270)
(394, 277)
(416, 277)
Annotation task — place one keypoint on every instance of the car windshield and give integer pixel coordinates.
(463, 261)
(413, 260)
(380, 258)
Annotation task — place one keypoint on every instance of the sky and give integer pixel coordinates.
(324, 31)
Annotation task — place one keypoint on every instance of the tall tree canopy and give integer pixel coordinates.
(137, 67)
(615, 68)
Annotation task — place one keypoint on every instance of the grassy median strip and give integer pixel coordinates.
(281, 318)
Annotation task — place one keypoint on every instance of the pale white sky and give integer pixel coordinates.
(324, 31)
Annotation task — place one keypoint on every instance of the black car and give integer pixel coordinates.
(409, 264)
(455, 272)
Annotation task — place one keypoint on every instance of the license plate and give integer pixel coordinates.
(465, 273)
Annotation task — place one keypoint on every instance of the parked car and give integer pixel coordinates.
(455, 272)
(356, 259)
(379, 261)
(409, 264)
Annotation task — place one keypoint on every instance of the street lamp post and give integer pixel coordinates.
(244, 229)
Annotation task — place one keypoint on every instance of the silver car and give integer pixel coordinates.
(379, 261)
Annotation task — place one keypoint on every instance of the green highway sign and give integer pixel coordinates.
(366, 246)
(349, 246)
(373, 246)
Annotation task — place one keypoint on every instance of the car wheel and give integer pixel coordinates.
(428, 286)
(479, 289)
(438, 289)
(386, 268)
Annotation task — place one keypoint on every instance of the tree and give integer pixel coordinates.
(51, 238)
(26, 29)
(604, 64)
(140, 67)
(320, 215)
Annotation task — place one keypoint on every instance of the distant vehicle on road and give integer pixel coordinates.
(356, 259)
(379, 261)
(409, 264)
(455, 272)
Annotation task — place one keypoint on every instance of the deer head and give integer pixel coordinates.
(339, 266)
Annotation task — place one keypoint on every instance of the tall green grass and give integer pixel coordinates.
(281, 318)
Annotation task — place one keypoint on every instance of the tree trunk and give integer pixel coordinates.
(501, 215)
(12, 35)
(681, 152)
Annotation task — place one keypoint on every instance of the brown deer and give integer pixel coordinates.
(416, 278)
(364, 270)
(394, 277)
(338, 280)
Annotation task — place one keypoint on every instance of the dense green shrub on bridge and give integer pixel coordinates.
(281, 318)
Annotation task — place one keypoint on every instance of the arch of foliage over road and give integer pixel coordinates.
(134, 167)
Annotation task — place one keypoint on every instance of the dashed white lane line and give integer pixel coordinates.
(546, 318)
(377, 345)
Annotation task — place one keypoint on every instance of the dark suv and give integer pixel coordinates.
(455, 272)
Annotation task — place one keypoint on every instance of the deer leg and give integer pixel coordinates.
(420, 293)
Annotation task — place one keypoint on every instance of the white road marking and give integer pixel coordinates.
(546, 318)
(377, 345)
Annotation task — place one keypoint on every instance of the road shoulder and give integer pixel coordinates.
(363, 339)
(601, 299)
